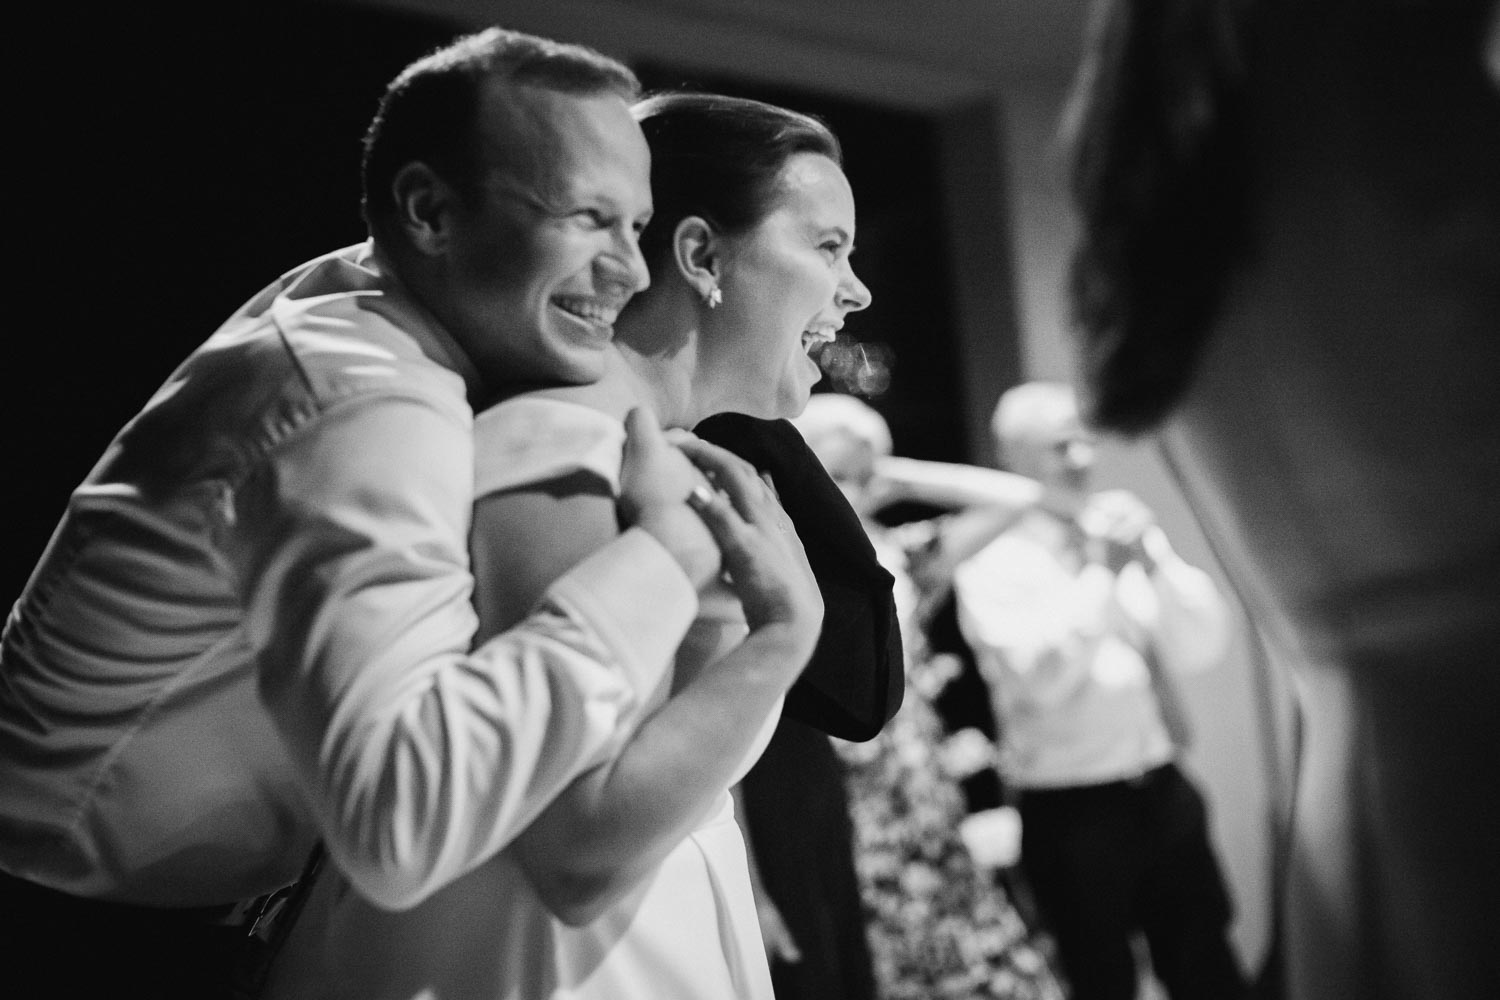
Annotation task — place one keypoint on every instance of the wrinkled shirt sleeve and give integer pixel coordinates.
(420, 757)
(1194, 625)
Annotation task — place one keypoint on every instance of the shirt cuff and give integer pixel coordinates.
(638, 599)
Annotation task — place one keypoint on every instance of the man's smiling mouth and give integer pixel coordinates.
(590, 310)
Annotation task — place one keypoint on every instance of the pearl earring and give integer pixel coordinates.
(713, 297)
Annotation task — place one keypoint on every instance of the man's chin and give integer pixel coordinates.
(576, 374)
(571, 370)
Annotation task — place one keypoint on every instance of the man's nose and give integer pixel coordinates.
(622, 263)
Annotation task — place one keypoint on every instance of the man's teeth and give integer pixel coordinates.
(589, 309)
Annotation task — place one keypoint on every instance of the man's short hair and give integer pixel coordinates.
(1029, 410)
(830, 413)
(429, 111)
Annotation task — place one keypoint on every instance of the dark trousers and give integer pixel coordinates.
(1108, 862)
(57, 945)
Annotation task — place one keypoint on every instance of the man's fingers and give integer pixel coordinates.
(642, 432)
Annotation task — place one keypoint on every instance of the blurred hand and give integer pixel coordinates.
(966, 753)
(760, 549)
(993, 837)
(1119, 520)
(780, 946)
(655, 481)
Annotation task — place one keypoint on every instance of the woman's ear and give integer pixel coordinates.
(422, 201)
(697, 252)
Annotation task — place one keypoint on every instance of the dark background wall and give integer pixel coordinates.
(177, 165)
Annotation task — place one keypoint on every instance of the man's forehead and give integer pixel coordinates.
(1051, 422)
(541, 138)
(521, 123)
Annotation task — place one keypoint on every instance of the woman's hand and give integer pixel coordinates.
(765, 560)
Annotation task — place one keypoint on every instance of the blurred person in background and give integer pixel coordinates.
(1080, 613)
(940, 926)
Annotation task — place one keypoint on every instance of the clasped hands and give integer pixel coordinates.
(1122, 529)
(712, 511)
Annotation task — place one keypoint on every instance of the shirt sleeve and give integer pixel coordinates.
(1194, 624)
(1026, 619)
(420, 757)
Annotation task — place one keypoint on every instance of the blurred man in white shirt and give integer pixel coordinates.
(1078, 613)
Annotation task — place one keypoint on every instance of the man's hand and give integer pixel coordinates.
(655, 481)
(1120, 521)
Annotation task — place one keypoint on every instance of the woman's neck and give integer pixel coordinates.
(658, 343)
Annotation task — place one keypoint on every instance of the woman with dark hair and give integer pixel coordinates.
(634, 882)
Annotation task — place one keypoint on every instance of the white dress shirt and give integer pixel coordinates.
(1060, 642)
(252, 628)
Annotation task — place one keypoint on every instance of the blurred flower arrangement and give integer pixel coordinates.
(940, 928)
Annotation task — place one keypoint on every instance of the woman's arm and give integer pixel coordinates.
(951, 485)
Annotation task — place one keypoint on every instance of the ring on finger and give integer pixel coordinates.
(700, 496)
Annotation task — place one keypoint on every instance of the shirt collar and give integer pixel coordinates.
(1049, 530)
(401, 306)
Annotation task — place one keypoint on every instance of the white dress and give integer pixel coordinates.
(688, 932)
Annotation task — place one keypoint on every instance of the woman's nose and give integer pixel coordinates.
(853, 295)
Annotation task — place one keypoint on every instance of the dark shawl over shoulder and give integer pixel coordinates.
(854, 683)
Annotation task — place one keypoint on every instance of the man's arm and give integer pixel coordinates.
(420, 758)
(1190, 625)
(951, 485)
(1194, 625)
(615, 824)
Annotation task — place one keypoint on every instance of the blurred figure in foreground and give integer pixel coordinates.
(940, 928)
(1288, 269)
(1079, 614)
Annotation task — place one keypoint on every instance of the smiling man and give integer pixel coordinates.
(252, 629)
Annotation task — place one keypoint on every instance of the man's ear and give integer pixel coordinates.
(422, 202)
(697, 251)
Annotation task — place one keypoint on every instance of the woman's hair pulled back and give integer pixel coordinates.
(719, 158)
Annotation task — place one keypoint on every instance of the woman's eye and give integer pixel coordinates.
(593, 218)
